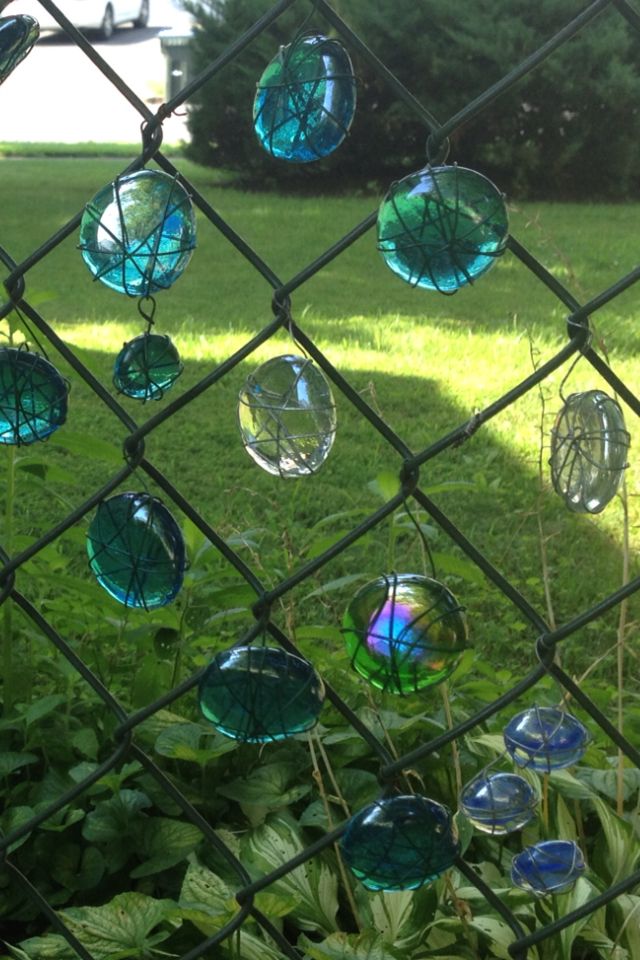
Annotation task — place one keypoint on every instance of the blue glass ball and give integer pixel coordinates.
(147, 367)
(258, 694)
(498, 803)
(33, 397)
(545, 738)
(136, 550)
(138, 233)
(400, 843)
(442, 227)
(17, 36)
(551, 866)
(305, 101)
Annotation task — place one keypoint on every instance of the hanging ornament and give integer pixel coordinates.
(551, 866)
(258, 694)
(136, 550)
(138, 233)
(589, 445)
(306, 99)
(442, 227)
(147, 367)
(17, 36)
(287, 416)
(545, 738)
(498, 803)
(405, 632)
(33, 397)
(400, 843)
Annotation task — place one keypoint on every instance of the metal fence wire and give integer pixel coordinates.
(124, 746)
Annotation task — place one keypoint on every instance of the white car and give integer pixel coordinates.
(103, 16)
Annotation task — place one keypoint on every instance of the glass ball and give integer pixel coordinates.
(287, 416)
(545, 738)
(305, 101)
(400, 843)
(498, 803)
(405, 632)
(442, 227)
(136, 550)
(551, 866)
(17, 37)
(147, 367)
(33, 397)
(589, 445)
(258, 694)
(138, 233)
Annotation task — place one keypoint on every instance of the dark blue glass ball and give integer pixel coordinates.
(545, 738)
(33, 397)
(498, 803)
(17, 37)
(551, 866)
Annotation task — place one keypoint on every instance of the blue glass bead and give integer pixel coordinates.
(33, 397)
(551, 866)
(442, 227)
(147, 367)
(287, 416)
(400, 843)
(138, 233)
(498, 803)
(258, 694)
(136, 550)
(306, 99)
(545, 738)
(589, 445)
(17, 37)
(405, 632)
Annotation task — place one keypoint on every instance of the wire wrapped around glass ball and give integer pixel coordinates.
(17, 37)
(306, 100)
(138, 233)
(147, 367)
(551, 866)
(545, 738)
(33, 397)
(258, 694)
(287, 416)
(589, 445)
(136, 550)
(498, 803)
(442, 227)
(400, 843)
(405, 632)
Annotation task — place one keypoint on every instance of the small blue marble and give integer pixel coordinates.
(498, 803)
(545, 738)
(552, 866)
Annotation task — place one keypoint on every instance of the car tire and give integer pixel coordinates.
(108, 23)
(142, 20)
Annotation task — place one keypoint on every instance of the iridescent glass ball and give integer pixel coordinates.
(545, 738)
(498, 803)
(258, 694)
(551, 866)
(136, 550)
(147, 367)
(17, 37)
(306, 99)
(405, 632)
(589, 445)
(400, 843)
(138, 233)
(287, 416)
(442, 227)
(33, 397)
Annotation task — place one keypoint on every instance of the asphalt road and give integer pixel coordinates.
(57, 95)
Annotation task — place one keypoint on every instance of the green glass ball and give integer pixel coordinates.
(147, 367)
(17, 36)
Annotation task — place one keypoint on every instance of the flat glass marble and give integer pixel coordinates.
(589, 445)
(400, 843)
(442, 227)
(405, 632)
(498, 803)
(147, 367)
(552, 866)
(33, 397)
(258, 694)
(305, 101)
(287, 416)
(545, 738)
(17, 36)
(138, 233)
(136, 550)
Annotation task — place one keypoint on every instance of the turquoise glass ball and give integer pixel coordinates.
(442, 227)
(552, 866)
(17, 36)
(147, 367)
(545, 738)
(33, 397)
(136, 550)
(138, 233)
(258, 694)
(305, 101)
(400, 843)
(498, 803)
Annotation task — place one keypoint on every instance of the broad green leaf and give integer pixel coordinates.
(206, 900)
(582, 892)
(569, 786)
(464, 828)
(182, 741)
(565, 824)
(112, 819)
(385, 485)
(622, 846)
(500, 935)
(398, 918)
(247, 946)
(165, 842)
(358, 787)
(123, 928)
(52, 947)
(606, 781)
(43, 707)
(267, 786)
(276, 905)
(13, 818)
(10, 761)
(350, 946)
(458, 567)
(86, 742)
